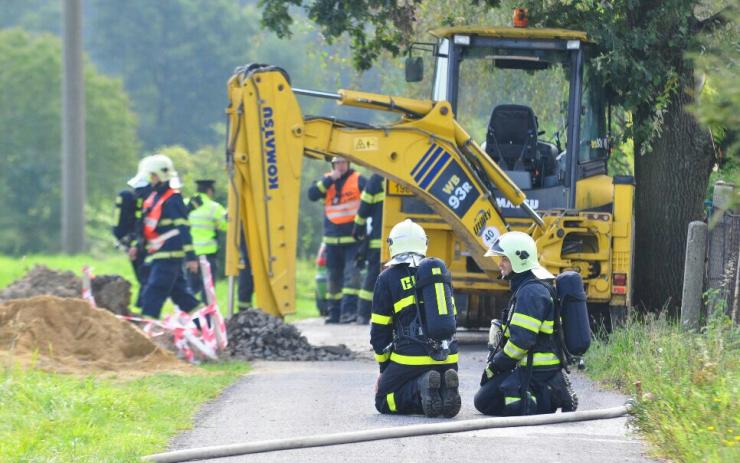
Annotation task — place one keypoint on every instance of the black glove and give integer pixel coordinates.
(359, 232)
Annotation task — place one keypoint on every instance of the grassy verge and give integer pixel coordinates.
(12, 268)
(47, 417)
(695, 379)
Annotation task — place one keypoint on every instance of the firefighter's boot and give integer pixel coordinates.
(565, 397)
(431, 401)
(450, 395)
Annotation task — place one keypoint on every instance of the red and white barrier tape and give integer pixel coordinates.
(208, 340)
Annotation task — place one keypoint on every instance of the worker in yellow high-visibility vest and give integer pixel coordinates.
(207, 218)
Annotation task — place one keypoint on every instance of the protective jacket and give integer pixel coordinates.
(207, 217)
(165, 228)
(371, 206)
(528, 326)
(394, 309)
(341, 201)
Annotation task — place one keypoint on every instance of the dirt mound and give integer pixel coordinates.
(254, 334)
(111, 292)
(70, 336)
(41, 280)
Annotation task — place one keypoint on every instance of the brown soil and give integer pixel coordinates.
(111, 292)
(70, 336)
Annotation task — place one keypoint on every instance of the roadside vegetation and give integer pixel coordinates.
(12, 268)
(694, 378)
(48, 417)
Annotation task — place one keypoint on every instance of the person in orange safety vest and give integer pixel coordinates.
(340, 190)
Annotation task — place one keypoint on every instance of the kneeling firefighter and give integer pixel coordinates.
(413, 328)
(524, 375)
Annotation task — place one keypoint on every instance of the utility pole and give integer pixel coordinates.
(73, 130)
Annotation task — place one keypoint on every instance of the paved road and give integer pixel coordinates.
(289, 399)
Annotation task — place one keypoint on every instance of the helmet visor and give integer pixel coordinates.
(140, 180)
(495, 250)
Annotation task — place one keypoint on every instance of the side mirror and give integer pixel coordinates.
(414, 69)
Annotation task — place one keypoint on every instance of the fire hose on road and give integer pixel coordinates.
(385, 433)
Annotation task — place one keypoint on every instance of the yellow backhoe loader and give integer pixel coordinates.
(510, 86)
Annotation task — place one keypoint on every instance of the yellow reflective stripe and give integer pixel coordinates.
(320, 186)
(381, 358)
(165, 255)
(187, 247)
(541, 359)
(547, 327)
(360, 220)
(439, 290)
(334, 296)
(511, 400)
(526, 322)
(454, 307)
(514, 351)
(176, 222)
(403, 303)
(372, 199)
(338, 239)
(350, 291)
(391, 399)
(375, 244)
(380, 320)
(365, 295)
(421, 359)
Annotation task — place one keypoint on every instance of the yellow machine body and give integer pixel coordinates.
(436, 175)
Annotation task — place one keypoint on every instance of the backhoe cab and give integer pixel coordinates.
(528, 96)
(533, 158)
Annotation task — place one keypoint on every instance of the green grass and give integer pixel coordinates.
(47, 417)
(695, 416)
(12, 268)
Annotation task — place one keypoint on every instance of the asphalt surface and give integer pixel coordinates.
(290, 399)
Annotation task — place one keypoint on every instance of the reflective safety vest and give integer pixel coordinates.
(204, 223)
(341, 209)
(153, 214)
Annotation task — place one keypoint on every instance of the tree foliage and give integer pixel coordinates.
(30, 141)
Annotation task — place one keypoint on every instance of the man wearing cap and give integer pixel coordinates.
(340, 190)
(523, 375)
(207, 218)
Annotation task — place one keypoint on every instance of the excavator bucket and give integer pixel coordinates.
(264, 158)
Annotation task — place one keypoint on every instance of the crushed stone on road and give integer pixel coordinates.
(255, 335)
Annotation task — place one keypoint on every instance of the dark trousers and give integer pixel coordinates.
(195, 280)
(246, 284)
(365, 297)
(142, 275)
(343, 282)
(398, 391)
(501, 395)
(166, 280)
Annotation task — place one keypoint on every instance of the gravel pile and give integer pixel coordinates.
(254, 335)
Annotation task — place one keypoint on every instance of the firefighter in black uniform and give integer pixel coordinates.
(523, 374)
(410, 381)
(165, 233)
(340, 189)
(369, 215)
(128, 213)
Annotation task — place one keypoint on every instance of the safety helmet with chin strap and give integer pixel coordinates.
(521, 251)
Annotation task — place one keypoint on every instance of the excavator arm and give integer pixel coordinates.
(426, 151)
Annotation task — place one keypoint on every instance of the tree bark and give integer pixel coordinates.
(671, 186)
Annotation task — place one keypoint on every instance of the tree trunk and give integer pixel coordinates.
(671, 186)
